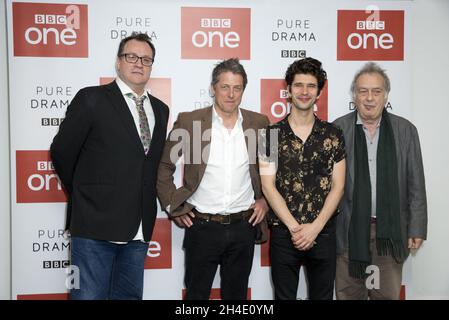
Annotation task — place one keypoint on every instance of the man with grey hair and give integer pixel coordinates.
(220, 202)
(383, 213)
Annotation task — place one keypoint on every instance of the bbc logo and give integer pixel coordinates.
(216, 23)
(293, 53)
(53, 122)
(370, 25)
(45, 166)
(55, 264)
(50, 19)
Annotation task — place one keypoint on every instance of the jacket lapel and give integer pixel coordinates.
(206, 125)
(158, 124)
(349, 146)
(248, 124)
(120, 106)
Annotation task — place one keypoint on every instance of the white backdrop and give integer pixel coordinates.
(5, 228)
(430, 114)
(43, 81)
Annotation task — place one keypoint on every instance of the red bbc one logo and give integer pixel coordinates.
(215, 33)
(50, 30)
(159, 255)
(370, 35)
(36, 179)
(274, 102)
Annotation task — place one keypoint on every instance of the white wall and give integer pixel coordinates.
(5, 236)
(430, 114)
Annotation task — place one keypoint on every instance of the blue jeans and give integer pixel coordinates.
(108, 270)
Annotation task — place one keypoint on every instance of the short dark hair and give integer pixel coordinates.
(307, 66)
(139, 37)
(233, 65)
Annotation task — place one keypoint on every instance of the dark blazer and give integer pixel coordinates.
(100, 160)
(194, 170)
(412, 189)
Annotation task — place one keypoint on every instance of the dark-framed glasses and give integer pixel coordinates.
(132, 58)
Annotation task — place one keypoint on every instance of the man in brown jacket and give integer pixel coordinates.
(220, 202)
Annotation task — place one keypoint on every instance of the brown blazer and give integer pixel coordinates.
(185, 138)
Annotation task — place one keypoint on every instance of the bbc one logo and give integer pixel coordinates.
(215, 33)
(274, 103)
(36, 180)
(370, 35)
(50, 30)
(159, 254)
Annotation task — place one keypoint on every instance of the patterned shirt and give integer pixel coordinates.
(304, 169)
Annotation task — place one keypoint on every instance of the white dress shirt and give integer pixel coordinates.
(226, 185)
(126, 90)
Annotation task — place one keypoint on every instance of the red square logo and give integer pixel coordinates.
(159, 255)
(215, 33)
(36, 179)
(377, 35)
(274, 102)
(50, 30)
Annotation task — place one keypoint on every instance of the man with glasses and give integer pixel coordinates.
(106, 154)
(383, 210)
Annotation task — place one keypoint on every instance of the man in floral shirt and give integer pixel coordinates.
(302, 165)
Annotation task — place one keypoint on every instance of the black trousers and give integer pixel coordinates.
(319, 262)
(208, 244)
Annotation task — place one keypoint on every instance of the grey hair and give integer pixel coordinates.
(369, 68)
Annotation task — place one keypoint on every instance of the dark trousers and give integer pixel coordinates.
(319, 262)
(208, 244)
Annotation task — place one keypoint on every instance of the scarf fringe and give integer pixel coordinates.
(387, 247)
(357, 269)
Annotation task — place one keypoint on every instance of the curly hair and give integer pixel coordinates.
(307, 66)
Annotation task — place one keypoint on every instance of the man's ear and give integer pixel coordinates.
(117, 63)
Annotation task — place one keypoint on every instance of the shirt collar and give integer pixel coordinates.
(126, 90)
(359, 121)
(216, 117)
(317, 125)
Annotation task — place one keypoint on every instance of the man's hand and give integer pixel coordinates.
(303, 237)
(184, 221)
(415, 243)
(260, 211)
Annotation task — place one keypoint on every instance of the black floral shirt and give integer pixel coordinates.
(304, 169)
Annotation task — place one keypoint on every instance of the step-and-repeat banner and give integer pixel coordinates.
(58, 47)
